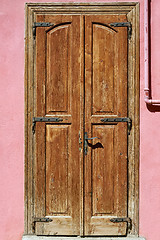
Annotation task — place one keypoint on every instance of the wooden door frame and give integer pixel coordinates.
(131, 9)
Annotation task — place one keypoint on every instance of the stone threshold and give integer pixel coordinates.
(34, 237)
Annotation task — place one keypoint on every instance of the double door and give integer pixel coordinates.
(80, 148)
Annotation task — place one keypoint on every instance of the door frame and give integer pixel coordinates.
(131, 9)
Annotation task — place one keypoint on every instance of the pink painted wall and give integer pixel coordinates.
(12, 126)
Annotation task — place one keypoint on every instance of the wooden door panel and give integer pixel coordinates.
(108, 178)
(106, 65)
(103, 169)
(105, 97)
(104, 83)
(58, 68)
(56, 227)
(101, 226)
(57, 161)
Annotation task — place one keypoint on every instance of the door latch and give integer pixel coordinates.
(44, 219)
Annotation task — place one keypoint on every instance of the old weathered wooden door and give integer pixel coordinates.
(80, 184)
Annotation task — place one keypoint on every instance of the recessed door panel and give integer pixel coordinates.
(103, 169)
(104, 86)
(58, 69)
(57, 164)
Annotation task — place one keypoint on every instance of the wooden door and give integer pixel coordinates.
(81, 78)
(57, 156)
(105, 97)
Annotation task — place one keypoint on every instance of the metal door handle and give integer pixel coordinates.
(86, 138)
(91, 138)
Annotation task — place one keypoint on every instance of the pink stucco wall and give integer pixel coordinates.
(12, 126)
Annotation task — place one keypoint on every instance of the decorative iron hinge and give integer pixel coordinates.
(44, 119)
(44, 219)
(123, 24)
(40, 24)
(116, 120)
(118, 220)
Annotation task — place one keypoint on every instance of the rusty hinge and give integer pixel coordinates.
(44, 219)
(40, 24)
(123, 24)
(116, 120)
(126, 219)
(44, 119)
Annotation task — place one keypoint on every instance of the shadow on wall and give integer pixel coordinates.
(153, 108)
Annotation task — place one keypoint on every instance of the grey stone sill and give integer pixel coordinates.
(34, 237)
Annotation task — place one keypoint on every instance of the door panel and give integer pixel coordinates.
(103, 171)
(105, 96)
(57, 193)
(57, 143)
(103, 67)
(58, 74)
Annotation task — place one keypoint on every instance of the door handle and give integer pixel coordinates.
(91, 138)
(86, 138)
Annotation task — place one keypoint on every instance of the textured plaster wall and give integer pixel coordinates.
(12, 126)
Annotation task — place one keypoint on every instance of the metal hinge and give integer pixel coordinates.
(116, 120)
(40, 24)
(44, 219)
(126, 219)
(44, 119)
(123, 24)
